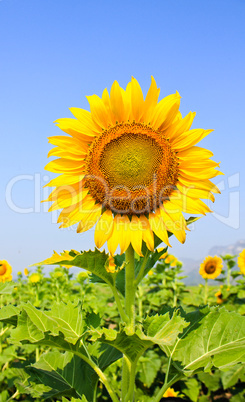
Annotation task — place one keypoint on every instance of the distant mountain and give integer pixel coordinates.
(233, 249)
(191, 267)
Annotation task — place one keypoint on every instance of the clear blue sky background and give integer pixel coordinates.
(53, 53)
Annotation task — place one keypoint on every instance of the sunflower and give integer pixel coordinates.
(170, 393)
(219, 297)
(35, 277)
(211, 267)
(26, 272)
(241, 262)
(5, 271)
(130, 166)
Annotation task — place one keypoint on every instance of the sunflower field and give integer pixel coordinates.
(50, 323)
(126, 328)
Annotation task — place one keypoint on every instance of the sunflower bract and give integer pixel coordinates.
(131, 167)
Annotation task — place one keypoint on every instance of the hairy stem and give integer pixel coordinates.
(124, 317)
(142, 269)
(130, 289)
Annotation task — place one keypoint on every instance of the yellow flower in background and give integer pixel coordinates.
(211, 267)
(170, 392)
(219, 298)
(241, 262)
(26, 272)
(172, 260)
(110, 265)
(5, 271)
(150, 273)
(130, 166)
(35, 277)
(82, 276)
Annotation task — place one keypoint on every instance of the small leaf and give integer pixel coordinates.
(231, 377)
(6, 288)
(92, 261)
(9, 314)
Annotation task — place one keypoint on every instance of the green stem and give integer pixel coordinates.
(119, 304)
(37, 354)
(206, 291)
(228, 276)
(126, 367)
(130, 393)
(175, 292)
(130, 311)
(130, 289)
(142, 269)
(101, 376)
(165, 387)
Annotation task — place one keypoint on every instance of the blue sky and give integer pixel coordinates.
(54, 53)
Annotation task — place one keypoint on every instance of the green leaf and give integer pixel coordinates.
(26, 330)
(163, 330)
(190, 387)
(231, 377)
(69, 320)
(4, 395)
(148, 366)
(63, 373)
(64, 318)
(92, 261)
(211, 380)
(9, 314)
(214, 338)
(130, 345)
(83, 399)
(6, 288)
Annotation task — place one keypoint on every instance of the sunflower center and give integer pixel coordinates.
(130, 160)
(131, 168)
(210, 268)
(3, 269)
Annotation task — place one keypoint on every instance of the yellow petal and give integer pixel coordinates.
(76, 129)
(137, 99)
(117, 105)
(165, 111)
(158, 227)
(147, 234)
(57, 151)
(199, 173)
(114, 239)
(175, 214)
(85, 118)
(63, 165)
(74, 145)
(194, 152)
(180, 126)
(103, 228)
(136, 234)
(189, 138)
(99, 112)
(150, 101)
(90, 220)
(201, 184)
(173, 226)
(195, 192)
(188, 204)
(63, 180)
(125, 234)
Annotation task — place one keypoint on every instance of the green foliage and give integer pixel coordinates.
(62, 338)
